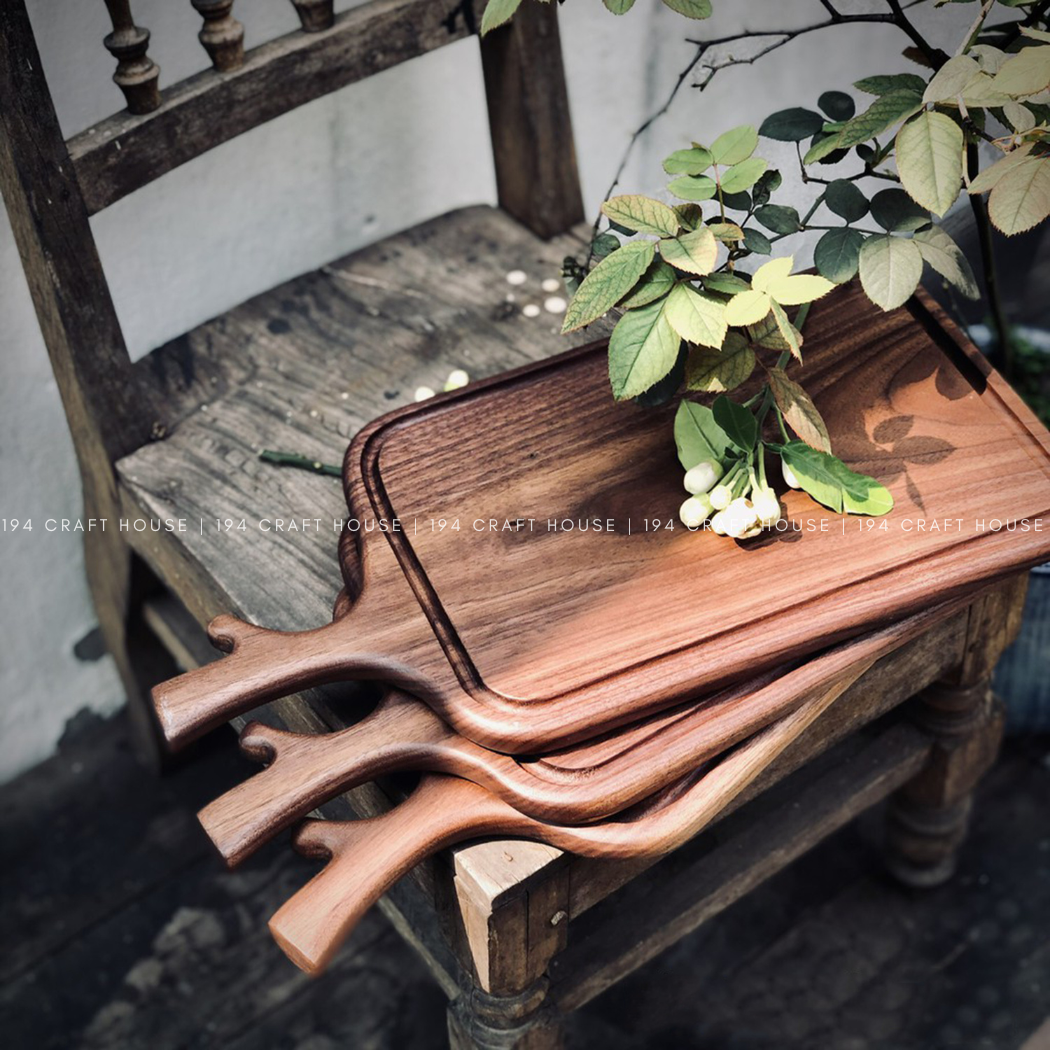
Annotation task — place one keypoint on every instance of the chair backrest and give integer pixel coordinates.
(51, 186)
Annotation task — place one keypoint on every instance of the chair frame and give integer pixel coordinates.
(51, 187)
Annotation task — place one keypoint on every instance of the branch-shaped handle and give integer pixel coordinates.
(369, 856)
(305, 770)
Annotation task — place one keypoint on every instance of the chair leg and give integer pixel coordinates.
(480, 1021)
(115, 586)
(929, 816)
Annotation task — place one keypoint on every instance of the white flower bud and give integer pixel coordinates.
(703, 476)
(718, 522)
(695, 511)
(789, 475)
(744, 512)
(767, 507)
(721, 497)
(456, 378)
(423, 393)
(751, 532)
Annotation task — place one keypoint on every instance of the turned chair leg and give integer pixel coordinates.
(928, 817)
(480, 1021)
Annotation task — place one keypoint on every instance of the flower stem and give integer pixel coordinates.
(293, 459)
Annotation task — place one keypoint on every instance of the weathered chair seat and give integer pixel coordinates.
(301, 368)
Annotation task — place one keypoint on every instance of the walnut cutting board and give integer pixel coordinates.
(526, 639)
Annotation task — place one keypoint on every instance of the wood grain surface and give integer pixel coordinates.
(528, 640)
(581, 784)
(369, 856)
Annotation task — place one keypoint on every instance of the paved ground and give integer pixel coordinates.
(121, 930)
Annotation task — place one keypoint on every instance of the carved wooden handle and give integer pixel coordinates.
(305, 771)
(369, 856)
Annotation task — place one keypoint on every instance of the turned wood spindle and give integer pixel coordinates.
(315, 15)
(137, 73)
(222, 36)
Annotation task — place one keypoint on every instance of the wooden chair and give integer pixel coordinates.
(517, 933)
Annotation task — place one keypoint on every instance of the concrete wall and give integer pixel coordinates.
(334, 175)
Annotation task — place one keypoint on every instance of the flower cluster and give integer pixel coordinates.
(738, 503)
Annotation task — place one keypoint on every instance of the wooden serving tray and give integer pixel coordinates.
(525, 640)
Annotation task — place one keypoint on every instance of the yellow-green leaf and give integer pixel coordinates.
(735, 145)
(642, 214)
(944, 256)
(799, 288)
(890, 268)
(497, 12)
(883, 113)
(748, 307)
(696, 317)
(994, 172)
(694, 252)
(643, 348)
(693, 187)
(798, 409)
(930, 160)
(787, 329)
(727, 231)
(1021, 198)
(656, 282)
(774, 270)
(718, 371)
(688, 161)
(698, 9)
(619, 7)
(743, 176)
(608, 283)
(950, 80)
(1026, 73)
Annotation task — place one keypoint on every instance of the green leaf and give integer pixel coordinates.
(735, 145)
(717, 371)
(1021, 198)
(694, 252)
(787, 330)
(766, 334)
(728, 283)
(798, 288)
(697, 436)
(605, 244)
(737, 423)
(930, 160)
(837, 253)
(779, 218)
(608, 283)
(693, 187)
(642, 214)
(737, 201)
(883, 85)
(619, 7)
(883, 113)
(764, 188)
(1026, 73)
(663, 390)
(698, 9)
(497, 12)
(743, 176)
(837, 104)
(696, 317)
(791, 125)
(756, 241)
(798, 409)
(656, 282)
(944, 255)
(845, 200)
(890, 268)
(643, 348)
(829, 481)
(688, 161)
(894, 210)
